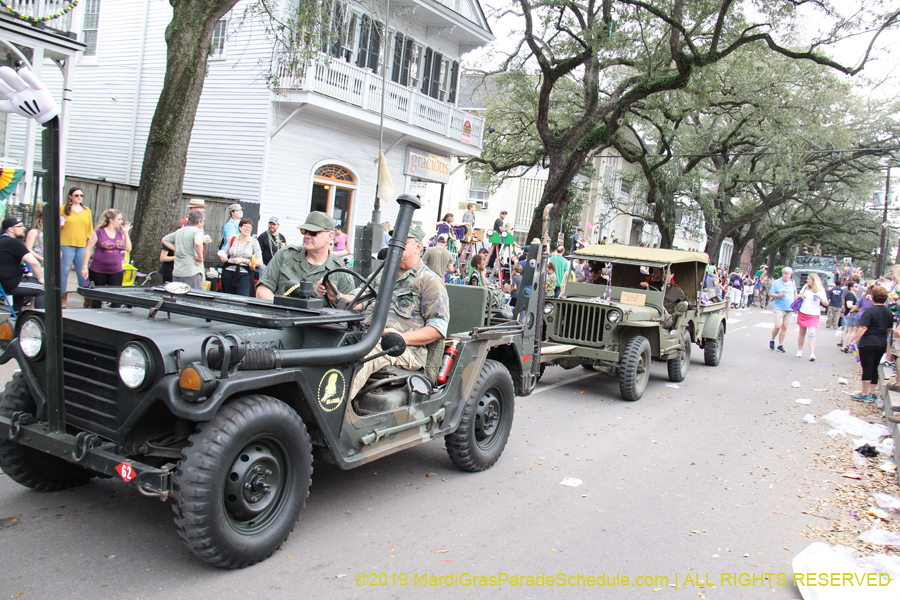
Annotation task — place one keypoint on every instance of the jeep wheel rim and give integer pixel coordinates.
(255, 485)
(642, 372)
(487, 419)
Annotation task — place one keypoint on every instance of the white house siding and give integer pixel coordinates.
(309, 141)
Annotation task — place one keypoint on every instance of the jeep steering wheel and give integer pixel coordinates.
(367, 293)
(650, 286)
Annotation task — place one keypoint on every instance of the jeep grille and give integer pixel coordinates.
(92, 384)
(580, 322)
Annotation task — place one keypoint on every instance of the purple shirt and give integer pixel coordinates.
(108, 253)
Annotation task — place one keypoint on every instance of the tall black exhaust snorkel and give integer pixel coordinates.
(344, 354)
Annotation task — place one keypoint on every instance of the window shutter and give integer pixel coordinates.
(407, 58)
(375, 45)
(363, 53)
(396, 68)
(436, 75)
(426, 72)
(454, 76)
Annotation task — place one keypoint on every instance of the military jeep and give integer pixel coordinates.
(621, 327)
(221, 403)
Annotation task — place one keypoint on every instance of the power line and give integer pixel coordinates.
(839, 151)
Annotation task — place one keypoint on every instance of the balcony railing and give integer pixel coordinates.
(361, 87)
(43, 8)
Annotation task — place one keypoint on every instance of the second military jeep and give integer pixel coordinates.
(220, 403)
(621, 326)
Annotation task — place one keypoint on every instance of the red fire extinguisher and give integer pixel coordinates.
(450, 354)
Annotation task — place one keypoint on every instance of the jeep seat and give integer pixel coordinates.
(387, 389)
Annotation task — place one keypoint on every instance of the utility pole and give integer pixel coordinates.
(879, 262)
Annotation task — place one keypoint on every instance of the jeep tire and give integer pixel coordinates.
(678, 366)
(486, 422)
(27, 466)
(712, 347)
(242, 481)
(634, 369)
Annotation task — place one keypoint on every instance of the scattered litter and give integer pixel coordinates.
(835, 432)
(672, 385)
(880, 536)
(841, 420)
(795, 384)
(886, 447)
(819, 557)
(888, 466)
(820, 389)
(802, 400)
(880, 513)
(859, 460)
(571, 482)
(887, 501)
(851, 476)
(867, 450)
(808, 418)
(842, 381)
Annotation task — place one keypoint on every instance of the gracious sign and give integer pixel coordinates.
(424, 165)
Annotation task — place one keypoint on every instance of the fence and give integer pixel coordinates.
(101, 195)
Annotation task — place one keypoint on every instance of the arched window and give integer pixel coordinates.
(332, 193)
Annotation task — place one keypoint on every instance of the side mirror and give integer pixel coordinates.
(393, 344)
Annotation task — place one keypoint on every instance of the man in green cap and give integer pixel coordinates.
(420, 312)
(309, 263)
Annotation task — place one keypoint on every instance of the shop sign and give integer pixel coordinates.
(427, 166)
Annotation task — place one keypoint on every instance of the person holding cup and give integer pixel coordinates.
(813, 299)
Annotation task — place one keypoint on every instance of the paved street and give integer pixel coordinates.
(695, 482)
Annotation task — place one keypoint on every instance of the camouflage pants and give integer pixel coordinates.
(408, 360)
(834, 316)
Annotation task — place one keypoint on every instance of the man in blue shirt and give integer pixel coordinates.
(783, 291)
(836, 303)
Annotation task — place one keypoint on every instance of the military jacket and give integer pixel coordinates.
(419, 299)
(290, 263)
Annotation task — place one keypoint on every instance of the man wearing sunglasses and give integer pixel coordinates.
(309, 263)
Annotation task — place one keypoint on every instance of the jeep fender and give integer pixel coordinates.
(711, 329)
(648, 329)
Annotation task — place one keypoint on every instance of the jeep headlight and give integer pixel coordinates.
(31, 338)
(614, 316)
(133, 366)
(548, 308)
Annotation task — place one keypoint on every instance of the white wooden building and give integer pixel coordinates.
(292, 141)
(42, 35)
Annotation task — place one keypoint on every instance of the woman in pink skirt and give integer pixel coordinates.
(814, 297)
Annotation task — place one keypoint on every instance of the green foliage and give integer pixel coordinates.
(300, 31)
(565, 91)
(776, 272)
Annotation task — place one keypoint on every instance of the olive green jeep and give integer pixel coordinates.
(648, 309)
(220, 403)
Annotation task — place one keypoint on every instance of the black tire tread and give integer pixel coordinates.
(711, 355)
(27, 466)
(676, 373)
(194, 519)
(628, 368)
(461, 446)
